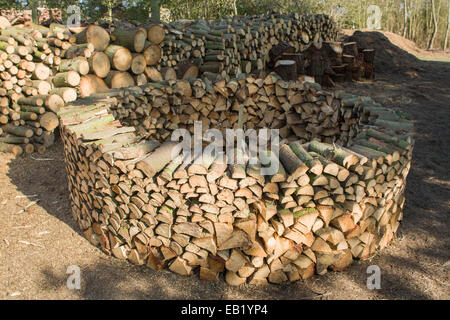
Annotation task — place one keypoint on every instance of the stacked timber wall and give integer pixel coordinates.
(338, 194)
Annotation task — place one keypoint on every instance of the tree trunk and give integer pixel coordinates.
(435, 25)
(405, 11)
(155, 7)
(448, 27)
(120, 57)
(96, 35)
(34, 11)
(90, 84)
(110, 12)
(235, 8)
(133, 39)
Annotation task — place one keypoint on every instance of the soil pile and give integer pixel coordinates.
(389, 57)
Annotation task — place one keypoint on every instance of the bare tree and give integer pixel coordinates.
(448, 27)
(435, 24)
(405, 15)
(155, 8)
(34, 11)
(235, 7)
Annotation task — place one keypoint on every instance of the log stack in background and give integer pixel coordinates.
(217, 49)
(327, 205)
(350, 62)
(14, 16)
(32, 88)
(228, 47)
(328, 62)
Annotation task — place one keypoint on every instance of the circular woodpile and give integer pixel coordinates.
(337, 196)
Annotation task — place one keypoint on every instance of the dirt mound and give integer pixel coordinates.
(393, 54)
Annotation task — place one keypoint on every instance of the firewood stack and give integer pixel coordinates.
(122, 56)
(228, 47)
(349, 62)
(327, 61)
(31, 91)
(21, 16)
(326, 205)
(312, 113)
(43, 68)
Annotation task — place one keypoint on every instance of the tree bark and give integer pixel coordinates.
(235, 8)
(448, 27)
(156, 10)
(405, 16)
(435, 24)
(34, 11)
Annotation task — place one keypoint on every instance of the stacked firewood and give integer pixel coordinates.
(350, 62)
(31, 89)
(327, 61)
(240, 44)
(20, 16)
(121, 56)
(156, 109)
(42, 68)
(326, 205)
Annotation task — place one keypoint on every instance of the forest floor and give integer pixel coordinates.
(38, 244)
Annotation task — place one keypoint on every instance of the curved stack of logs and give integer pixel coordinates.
(337, 196)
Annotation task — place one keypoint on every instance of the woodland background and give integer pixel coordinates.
(426, 22)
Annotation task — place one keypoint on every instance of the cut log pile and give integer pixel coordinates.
(326, 205)
(299, 111)
(351, 62)
(154, 52)
(14, 16)
(31, 89)
(327, 61)
(241, 44)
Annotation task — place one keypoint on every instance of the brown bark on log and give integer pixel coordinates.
(286, 69)
(187, 70)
